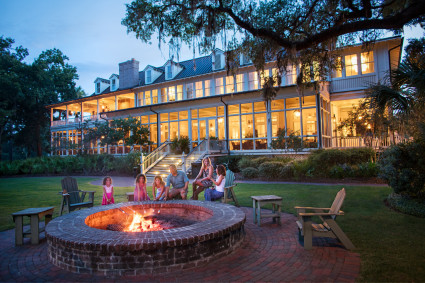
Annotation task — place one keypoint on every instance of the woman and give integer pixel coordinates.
(217, 193)
(203, 180)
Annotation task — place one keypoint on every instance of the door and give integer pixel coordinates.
(207, 128)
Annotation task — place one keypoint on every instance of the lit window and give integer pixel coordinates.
(163, 95)
(264, 75)
(179, 92)
(171, 93)
(147, 97)
(253, 80)
(351, 67)
(199, 90)
(239, 82)
(154, 96)
(337, 73)
(219, 87)
(207, 87)
(230, 86)
(291, 75)
(367, 62)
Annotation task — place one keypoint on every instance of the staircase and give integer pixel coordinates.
(162, 168)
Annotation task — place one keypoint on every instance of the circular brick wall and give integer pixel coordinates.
(77, 247)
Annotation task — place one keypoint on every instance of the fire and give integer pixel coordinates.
(140, 224)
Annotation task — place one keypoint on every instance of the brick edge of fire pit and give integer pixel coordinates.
(74, 246)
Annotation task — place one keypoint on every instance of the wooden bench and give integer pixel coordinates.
(35, 215)
(275, 201)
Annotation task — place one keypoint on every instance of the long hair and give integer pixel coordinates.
(140, 176)
(160, 180)
(105, 179)
(209, 162)
(221, 170)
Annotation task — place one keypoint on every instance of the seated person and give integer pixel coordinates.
(179, 181)
(217, 193)
(203, 180)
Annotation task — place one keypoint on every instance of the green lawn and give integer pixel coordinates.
(389, 243)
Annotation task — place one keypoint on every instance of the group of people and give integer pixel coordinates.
(176, 184)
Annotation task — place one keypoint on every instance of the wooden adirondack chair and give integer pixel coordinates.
(72, 197)
(229, 194)
(329, 228)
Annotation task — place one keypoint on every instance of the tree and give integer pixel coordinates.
(129, 130)
(11, 67)
(26, 89)
(404, 100)
(291, 32)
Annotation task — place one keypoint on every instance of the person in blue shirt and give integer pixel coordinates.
(179, 181)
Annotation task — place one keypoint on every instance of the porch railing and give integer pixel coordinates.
(203, 148)
(350, 142)
(154, 157)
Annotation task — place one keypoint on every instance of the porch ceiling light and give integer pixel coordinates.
(297, 113)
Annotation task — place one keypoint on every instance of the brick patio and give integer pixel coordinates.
(269, 253)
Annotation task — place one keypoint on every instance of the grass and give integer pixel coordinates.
(390, 243)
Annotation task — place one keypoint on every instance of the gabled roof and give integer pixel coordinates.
(154, 68)
(102, 80)
(114, 75)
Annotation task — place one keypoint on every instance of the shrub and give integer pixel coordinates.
(270, 169)
(302, 169)
(366, 170)
(403, 167)
(360, 155)
(406, 205)
(180, 145)
(245, 162)
(250, 172)
(231, 161)
(341, 171)
(287, 172)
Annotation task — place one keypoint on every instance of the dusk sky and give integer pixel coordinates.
(88, 32)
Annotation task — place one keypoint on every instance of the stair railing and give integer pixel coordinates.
(154, 157)
(197, 153)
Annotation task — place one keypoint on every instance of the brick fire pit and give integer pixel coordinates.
(78, 241)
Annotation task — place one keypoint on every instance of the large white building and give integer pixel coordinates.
(196, 98)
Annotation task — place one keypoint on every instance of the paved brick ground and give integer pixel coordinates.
(269, 253)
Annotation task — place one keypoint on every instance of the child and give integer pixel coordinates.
(217, 193)
(108, 191)
(159, 184)
(140, 192)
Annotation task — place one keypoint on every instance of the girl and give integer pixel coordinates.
(108, 191)
(203, 180)
(159, 184)
(140, 192)
(217, 193)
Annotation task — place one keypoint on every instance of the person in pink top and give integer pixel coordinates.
(140, 192)
(108, 191)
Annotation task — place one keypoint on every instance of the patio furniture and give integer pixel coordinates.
(72, 197)
(35, 215)
(130, 196)
(258, 201)
(229, 193)
(328, 228)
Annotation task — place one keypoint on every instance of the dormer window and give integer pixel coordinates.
(97, 87)
(245, 60)
(217, 62)
(113, 83)
(169, 72)
(148, 76)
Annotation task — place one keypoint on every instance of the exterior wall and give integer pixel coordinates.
(182, 102)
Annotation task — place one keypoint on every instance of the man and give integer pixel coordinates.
(179, 181)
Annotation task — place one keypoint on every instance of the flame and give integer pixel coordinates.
(140, 224)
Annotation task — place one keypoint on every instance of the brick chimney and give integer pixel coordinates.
(129, 74)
